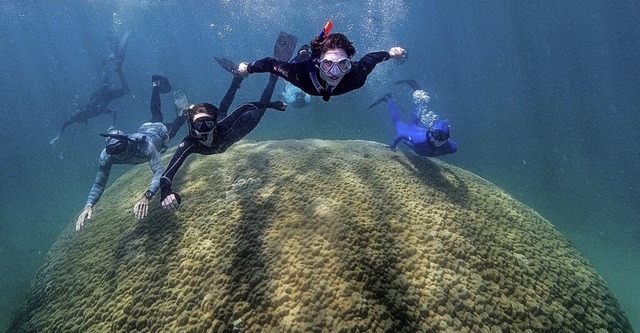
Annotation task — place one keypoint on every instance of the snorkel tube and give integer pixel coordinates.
(325, 92)
(327, 29)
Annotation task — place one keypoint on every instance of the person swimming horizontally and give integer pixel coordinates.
(325, 68)
(212, 131)
(431, 140)
(295, 97)
(105, 94)
(145, 145)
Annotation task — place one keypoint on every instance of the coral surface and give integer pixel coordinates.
(317, 236)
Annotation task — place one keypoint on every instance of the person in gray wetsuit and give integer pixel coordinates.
(144, 145)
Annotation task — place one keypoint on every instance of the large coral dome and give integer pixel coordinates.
(317, 236)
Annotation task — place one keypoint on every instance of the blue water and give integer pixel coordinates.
(543, 99)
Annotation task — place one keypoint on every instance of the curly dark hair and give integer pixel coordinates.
(207, 108)
(320, 45)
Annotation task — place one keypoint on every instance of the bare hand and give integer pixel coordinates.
(170, 202)
(242, 69)
(397, 52)
(141, 208)
(85, 215)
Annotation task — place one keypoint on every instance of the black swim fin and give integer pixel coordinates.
(227, 64)
(411, 83)
(162, 83)
(382, 99)
(285, 46)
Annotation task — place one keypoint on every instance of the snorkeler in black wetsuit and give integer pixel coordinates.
(100, 99)
(208, 136)
(327, 69)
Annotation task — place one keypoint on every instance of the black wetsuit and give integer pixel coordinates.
(98, 104)
(299, 73)
(229, 130)
(156, 114)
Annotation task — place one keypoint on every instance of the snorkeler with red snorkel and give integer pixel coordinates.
(324, 68)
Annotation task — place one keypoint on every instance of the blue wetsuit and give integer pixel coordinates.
(415, 136)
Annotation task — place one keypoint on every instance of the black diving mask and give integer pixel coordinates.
(118, 143)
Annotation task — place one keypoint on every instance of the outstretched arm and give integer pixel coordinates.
(170, 199)
(266, 65)
(370, 60)
(102, 176)
(141, 208)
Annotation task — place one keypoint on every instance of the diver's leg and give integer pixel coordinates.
(226, 101)
(156, 105)
(114, 117)
(416, 114)
(268, 90)
(393, 109)
(124, 86)
(174, 126)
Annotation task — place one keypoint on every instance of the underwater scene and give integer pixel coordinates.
(358, 166)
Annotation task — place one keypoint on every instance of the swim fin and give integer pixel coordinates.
(285, 46)
(161, 82)
(382, 99)
(227, 64)
(122, 49)
(411, 83)
(180, 102)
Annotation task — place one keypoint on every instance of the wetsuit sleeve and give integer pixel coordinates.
(370, 60)
(102, 176)
(270, 65)
(185, 148)
(155, 162)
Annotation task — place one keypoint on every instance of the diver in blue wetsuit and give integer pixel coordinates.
(432, 140)
(294, 97)
(145, 145)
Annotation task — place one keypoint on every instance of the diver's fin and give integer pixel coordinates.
(285, 46)
(227, 64)
(180, 102)
(382, 99)
(162, 83)
(122, 49)
(411, 83)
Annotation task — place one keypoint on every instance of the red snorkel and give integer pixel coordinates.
(327, 29)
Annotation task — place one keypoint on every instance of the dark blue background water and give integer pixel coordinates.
(542, 96)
